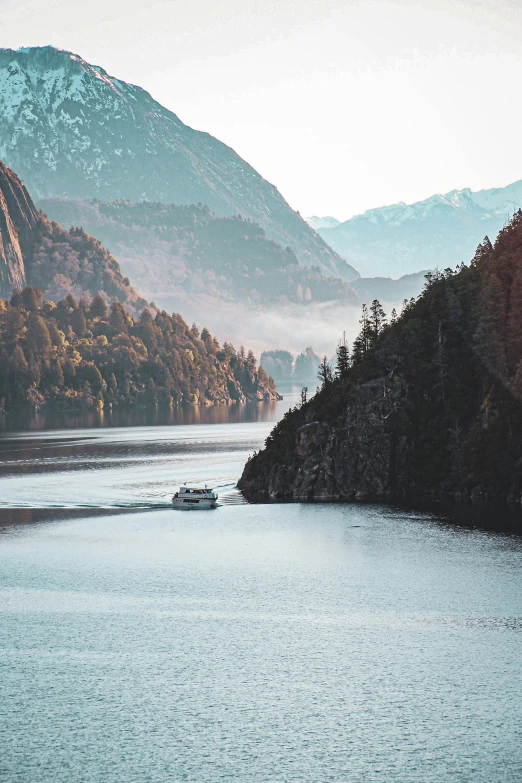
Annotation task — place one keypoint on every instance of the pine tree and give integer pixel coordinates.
(376, 321)
(482, 253)
(343, 357)
(71, 302)
(118, 318)
(146, 317)
(18, 364)
(16, 298)
(324, 372)
(57, 375)
(32, 299)
(87, 398)
(152, 393)
(363, 341)
(18, 374)
(489, 338)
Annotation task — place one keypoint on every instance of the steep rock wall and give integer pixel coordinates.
(18, 220)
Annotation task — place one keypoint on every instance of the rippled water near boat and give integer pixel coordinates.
(251, 643)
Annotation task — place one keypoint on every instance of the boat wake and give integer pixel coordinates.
(131, 506)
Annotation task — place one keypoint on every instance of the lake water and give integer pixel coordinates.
(254, 643)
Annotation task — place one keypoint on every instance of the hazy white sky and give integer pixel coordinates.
(342, 104)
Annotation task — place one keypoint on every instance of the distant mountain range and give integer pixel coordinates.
(69, 129)
(322, 222)
(441, 231)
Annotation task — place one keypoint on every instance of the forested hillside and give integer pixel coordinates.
(83, 355)
(428, 404)
(37, 252)
(73, 262)
(172, 252)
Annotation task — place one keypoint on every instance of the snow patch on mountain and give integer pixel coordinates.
(322, 222)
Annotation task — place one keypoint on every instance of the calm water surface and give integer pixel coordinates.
(253, 643)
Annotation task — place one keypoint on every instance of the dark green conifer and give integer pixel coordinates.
(343, 357)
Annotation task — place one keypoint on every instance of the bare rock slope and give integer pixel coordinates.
(18, 221)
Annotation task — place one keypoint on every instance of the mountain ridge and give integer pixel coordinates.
(441, 230)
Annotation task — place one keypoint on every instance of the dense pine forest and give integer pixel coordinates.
(86, 355)
(428, 403)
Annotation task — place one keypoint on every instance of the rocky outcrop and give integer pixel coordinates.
(351, 458)
(18, 221)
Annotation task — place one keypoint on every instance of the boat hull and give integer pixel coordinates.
(193, 505)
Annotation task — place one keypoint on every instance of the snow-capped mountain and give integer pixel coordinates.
(441, 231)
(69, 129)
(322, 222)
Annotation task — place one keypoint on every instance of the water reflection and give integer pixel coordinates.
(181, 414)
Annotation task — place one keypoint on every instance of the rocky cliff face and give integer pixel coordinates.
(18, 221)
(352, 457)
(69, 129)
(431, 406)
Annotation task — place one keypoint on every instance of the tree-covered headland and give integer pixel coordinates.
(425, 403)
(88, 355)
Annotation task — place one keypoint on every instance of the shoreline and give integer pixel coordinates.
(495, 515)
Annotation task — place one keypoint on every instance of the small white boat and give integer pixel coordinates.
(194, 498)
